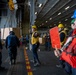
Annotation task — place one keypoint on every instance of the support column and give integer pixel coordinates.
(32, 18)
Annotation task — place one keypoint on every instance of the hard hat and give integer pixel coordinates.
(34, 26)
(73, 21)
(74, 15)
(60, 26)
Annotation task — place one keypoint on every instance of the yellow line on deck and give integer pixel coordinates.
(28, 67)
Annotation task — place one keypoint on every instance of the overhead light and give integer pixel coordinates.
(42, 23)
(40, 4)
(50, 19)
(54, 24)
(60, 22)
(46, 21)
(59, 13)
(29, 4)
(67, 7)
(66, 19)
(34, 21)
(35, 13)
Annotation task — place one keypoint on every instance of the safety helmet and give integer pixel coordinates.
(60, 26)
(74, 15)
(34, 26)
(73, 21)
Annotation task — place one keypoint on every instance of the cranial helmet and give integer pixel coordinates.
(73, 21)
(34, 26)
(60, 26)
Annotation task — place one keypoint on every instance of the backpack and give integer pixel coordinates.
(12, 41)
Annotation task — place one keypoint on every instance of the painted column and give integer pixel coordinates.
(32, 18)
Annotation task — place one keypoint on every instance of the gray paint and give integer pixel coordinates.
(9, 20)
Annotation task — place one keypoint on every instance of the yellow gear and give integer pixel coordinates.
(62, 43)
(60, 26)
(11, 5)
(65, 28)
(33, 39)
(34, 27)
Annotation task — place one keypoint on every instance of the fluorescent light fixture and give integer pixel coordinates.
(66, 19)
(46, 21)
(54, 24)
(35, 13)
(29, 3)
(59, 13)
(60, 22)
(67, 7)
(50, 19)
(40, 4)
(42, 23)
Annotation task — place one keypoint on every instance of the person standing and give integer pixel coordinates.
(63, 35)
(47, 42)
(35, 45)
(12, 42)
(68, 51)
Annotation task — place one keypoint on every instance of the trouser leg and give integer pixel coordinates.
(68, 68)
(10, 54)
(73, 71)
(14, 54)
(35, 54)
(33, 48)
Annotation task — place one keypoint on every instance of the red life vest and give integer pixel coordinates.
(69, 54)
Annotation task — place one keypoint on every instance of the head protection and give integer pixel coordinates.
(60, 26)
(34, 26)
(74, 15)
(73, 21)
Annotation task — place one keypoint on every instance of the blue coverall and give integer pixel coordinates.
(12, 42)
